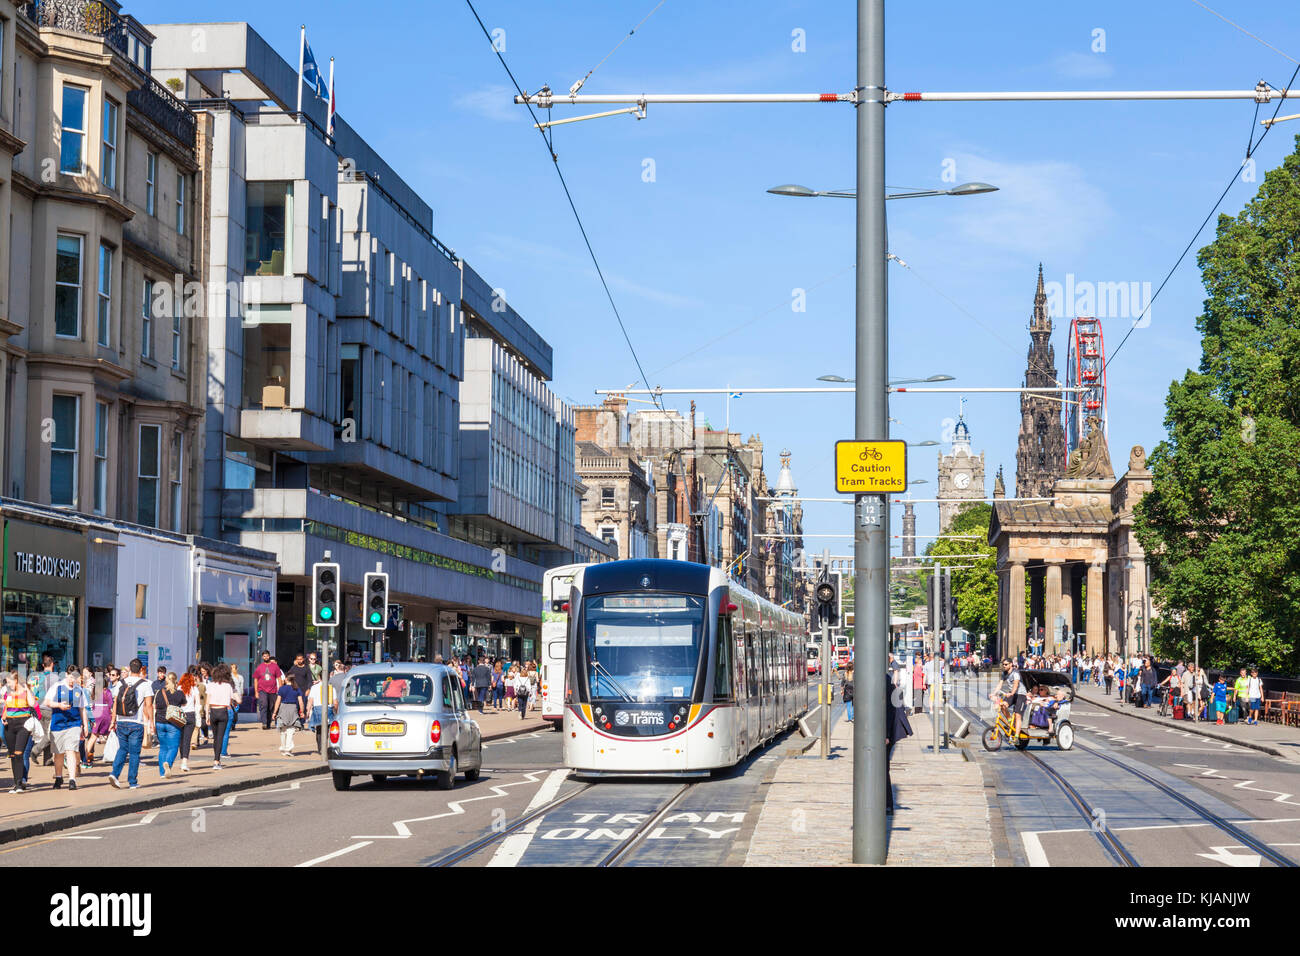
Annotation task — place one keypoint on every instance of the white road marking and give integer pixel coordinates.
(454, 808)
(1280, 796)
(513, 846)
(336, 853)
(1034, 849)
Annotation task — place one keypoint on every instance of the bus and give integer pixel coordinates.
(556, 584)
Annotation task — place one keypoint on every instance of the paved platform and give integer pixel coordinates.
(1276, 739)
(254, 761)
(941, 815)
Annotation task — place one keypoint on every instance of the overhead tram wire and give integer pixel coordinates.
(1245, 31)
(572, 206)
(1250, 151)
(577, 86)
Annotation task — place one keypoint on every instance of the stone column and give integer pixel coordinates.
(1015, 610)
(1068, 595)
(1035, 597)
(1096, 608)
(1052, 636)
(1078, 577)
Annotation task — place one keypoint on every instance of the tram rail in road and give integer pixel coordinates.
(470, 849)
(616, 856)
(1109, 841)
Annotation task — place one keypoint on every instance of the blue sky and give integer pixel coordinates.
(1105, 192)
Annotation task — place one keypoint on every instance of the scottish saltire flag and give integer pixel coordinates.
(311, 72)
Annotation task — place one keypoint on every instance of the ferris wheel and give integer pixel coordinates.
(1085, 368)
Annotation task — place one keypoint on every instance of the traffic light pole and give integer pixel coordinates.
(825, 693)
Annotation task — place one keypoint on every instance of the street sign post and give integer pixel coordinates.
(870, 467)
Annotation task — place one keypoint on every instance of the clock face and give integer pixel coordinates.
(961, 480)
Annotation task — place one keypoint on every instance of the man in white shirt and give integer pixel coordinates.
(130, 718)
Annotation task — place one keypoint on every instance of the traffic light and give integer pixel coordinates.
(827, 596)
(946, 603)
(324, 594)
(374, 601)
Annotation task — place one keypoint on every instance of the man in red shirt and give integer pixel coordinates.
(266, 678)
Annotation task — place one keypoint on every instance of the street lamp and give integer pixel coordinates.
(803, 192)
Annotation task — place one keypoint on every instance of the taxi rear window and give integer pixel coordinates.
(389, 688)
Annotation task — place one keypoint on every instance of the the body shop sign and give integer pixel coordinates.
(43, 559)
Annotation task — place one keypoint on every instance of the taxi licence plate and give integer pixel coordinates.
(383, 745)
(379, 728)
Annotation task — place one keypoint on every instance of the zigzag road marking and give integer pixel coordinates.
(510, 740)
(148, 818)
(1113, 738)
(1213, 773)
(454, 808)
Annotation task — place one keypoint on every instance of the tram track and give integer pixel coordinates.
(468, 850)
(616, 856)
(1110, 843)
(1113, 846)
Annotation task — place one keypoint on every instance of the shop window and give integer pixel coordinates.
(268, 355)
(269, 225)
(37, 624)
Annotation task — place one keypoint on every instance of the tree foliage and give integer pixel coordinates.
(976, 587)
(1221, 526)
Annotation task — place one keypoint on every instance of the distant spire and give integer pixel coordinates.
(1041, 321)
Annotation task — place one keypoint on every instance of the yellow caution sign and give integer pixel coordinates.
(870, 467)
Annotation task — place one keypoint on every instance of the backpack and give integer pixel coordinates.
(128, 704)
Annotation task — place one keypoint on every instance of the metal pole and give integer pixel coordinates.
(325, 675)
(871, 364)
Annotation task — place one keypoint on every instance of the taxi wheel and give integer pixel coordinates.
(1065, 736)
(447, 778)
(379, 777)
(472, 774)
(342, 779)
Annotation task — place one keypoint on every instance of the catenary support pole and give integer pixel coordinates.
(871, 516)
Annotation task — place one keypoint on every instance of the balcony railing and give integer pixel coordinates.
(156, 102)
(92, 18)
(80, 16)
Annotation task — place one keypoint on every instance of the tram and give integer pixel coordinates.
(556, 583)
(673, 669)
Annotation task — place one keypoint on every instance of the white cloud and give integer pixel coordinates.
(1041, 207)
(494, 102)
(1083, 66)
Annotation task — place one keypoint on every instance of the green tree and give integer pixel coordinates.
(976, 587)
(1221, 525)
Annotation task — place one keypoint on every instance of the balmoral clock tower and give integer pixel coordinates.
(961, 476)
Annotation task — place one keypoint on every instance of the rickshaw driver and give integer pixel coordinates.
(1011, 694)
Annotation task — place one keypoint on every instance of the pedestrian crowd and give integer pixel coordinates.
(494, 681)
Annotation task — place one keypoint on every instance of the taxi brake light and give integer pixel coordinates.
(435, 732)
(334, 731)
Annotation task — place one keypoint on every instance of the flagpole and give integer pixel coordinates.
(302, 46)
(329, 120)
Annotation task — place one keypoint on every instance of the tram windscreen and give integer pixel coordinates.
(642, 647)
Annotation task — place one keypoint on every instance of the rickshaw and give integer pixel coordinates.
(1052, 724)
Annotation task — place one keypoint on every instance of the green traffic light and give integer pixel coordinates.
(375, 617)
(326, 613)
